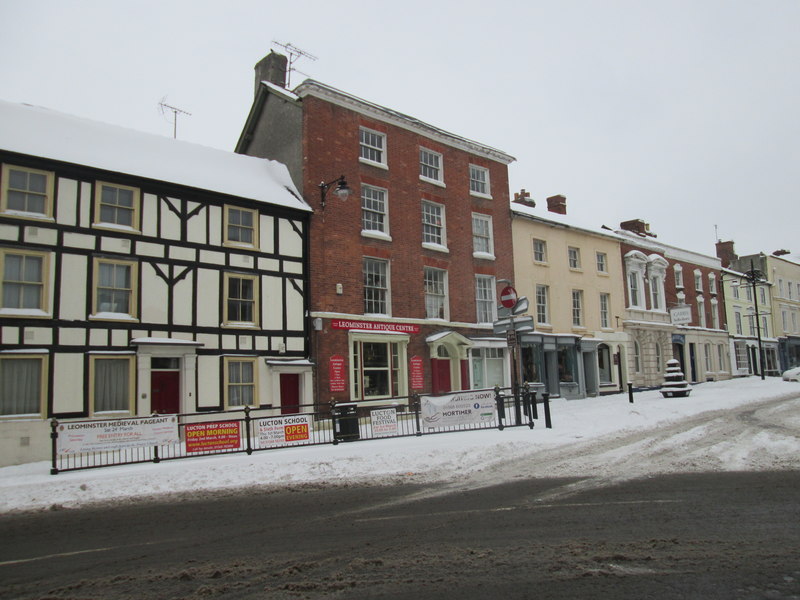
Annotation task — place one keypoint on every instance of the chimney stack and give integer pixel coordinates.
(271, 68)
(725, 253)
(637, 226)
(557, 204)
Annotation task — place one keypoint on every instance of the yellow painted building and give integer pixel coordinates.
(573, 279)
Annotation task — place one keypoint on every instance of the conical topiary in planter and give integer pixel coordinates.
(675, 385)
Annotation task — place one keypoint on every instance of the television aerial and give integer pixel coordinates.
(293, 53)
(163, 108)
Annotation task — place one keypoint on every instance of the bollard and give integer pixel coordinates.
(249, 448)
(501, 409)
(417, 404)
(630, 392)
(54, 446)
(547, 422)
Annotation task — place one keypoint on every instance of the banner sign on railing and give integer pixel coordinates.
(462, 408)
(384, 422)
(100, 436)
(279, 431)
(220, 435)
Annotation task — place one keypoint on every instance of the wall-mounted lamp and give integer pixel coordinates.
(342, 190)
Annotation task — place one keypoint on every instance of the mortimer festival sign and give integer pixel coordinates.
(460, 408)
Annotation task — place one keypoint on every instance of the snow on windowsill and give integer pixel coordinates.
(24, 312)
(113, 316)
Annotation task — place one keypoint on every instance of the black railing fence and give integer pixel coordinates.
(101, 443)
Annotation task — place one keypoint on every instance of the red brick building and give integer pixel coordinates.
(404, 272)
(674, 309)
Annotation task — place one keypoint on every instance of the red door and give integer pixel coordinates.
(440, 375)
(165, 389)
(290, 393)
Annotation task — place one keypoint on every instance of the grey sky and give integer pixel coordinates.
(682, 113)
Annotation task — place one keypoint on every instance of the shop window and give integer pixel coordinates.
(376, 370)
(488, 368)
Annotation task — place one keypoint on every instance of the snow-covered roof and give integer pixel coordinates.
(542, 214)
(46, 133)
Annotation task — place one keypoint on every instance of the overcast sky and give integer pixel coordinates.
(684, 113)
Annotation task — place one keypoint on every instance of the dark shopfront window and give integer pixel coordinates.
(566, 364)
(532, 363)
(376, 369)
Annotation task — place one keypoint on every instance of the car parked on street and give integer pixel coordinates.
(792, 374)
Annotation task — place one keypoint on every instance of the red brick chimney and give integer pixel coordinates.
(557, 204)
(726, 253)
(271, 68)
(637, 226)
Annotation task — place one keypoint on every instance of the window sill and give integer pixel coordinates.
(435, 247)
(376, 235)
(25, 312)
(239, 325)
(436, 182)
(480, 195)
(372, 163)
(115, 227)
(240, 246)
(112, 316)
(483, 255)
(21, 214)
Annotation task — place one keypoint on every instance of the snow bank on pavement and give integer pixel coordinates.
(583, 425)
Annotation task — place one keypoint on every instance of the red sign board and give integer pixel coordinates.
(508, 297)
(417, 373)
(221, 435)
(338, 382)
(374, 326)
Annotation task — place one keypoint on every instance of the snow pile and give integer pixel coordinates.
(742, 424)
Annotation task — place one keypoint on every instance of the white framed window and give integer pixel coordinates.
(116, 205)
(763, 294)
(574, 256)
(634, 289)
(378, 367)
(436, 304)
(372, 147)
(112, 383)
(577, 308)
(115, 288)
(785, 320)
(698, 281)
(737, 319)
(434, 230)
(376, 286)
(488, 367)
(374, 209)
(241, 382)
(430, 166)
(701, 311)
(602, 262)
(748, 290)
(637, 357)
(23, 384)
(485, 298)
(709, 360)
(735, 287)
(678, 269)
(712, 283)
(479, 181)
(27, 192)
(780, 288)
(789, 287)
(605, 318)
(542, 304)
(241, 300)
(655, 293)
(539, 251)
(765, 323)
(721, 357)
(714, 313)
(482, 237)
(24, 282)
(241, 226)
(659, 357)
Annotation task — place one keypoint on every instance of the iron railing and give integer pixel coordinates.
(254, 429)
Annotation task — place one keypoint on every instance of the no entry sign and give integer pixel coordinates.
(508, 296)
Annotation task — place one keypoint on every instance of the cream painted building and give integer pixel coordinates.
(573, 279)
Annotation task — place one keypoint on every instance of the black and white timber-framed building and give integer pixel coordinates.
(140, 275)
